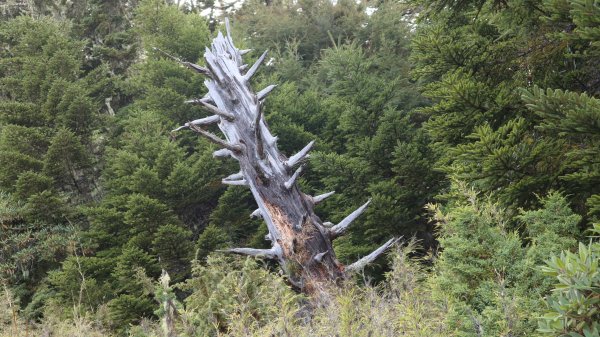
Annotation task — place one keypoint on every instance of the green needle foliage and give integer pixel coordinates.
(488, 110)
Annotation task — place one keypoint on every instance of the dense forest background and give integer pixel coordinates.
(474, 127)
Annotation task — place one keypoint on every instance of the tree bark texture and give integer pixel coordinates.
(300, 242)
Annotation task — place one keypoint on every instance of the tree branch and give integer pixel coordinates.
(295, 159)
(317, 199)
(360, 264)
(241, 182)
(272, 253)
(255, 66)
(263, 93)
(211, 137)
(222, 153)
(200, 122)
(228, 116)
(193, 66)
(235, 176)
(341, 227)
(288, 184)
(205, 99)
(319, 257)
(256, 213)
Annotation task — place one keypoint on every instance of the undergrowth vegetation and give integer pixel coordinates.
(472, 126)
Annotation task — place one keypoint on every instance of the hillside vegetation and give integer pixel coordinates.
(473, 127)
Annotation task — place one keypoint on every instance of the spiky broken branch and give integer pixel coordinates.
(193, 66)
(215, 139)
(360, 264)
(263, 93)
(273, 253)
(200, 122)
(319, 198)
(222, 153)
(295, 159)
(341, 227)
(254, 67)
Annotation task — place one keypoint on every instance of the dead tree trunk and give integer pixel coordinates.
(300, 242)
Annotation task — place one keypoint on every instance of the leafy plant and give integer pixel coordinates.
(574, 306)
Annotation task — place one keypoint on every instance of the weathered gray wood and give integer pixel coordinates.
(216, 110)
(263, 93)
(272, 253)
(215, 139)
(200, 122)
(256, 213)
(301, 242)
(360, 264)
(341, 227)
(255, 66)
(298, 157)
(292, 181)
(241, 182)
(193, 66)
(319, 198)
(222, 153)
(319, 257)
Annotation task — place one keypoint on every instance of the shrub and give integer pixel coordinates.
(574, 306)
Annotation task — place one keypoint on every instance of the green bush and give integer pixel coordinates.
(574, 306)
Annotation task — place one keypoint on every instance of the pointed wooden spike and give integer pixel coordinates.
(245, 51)
(319, 257)
(206, 120)
(197, 68)
(341, 227)
(228, 116)
(228, 28)
(222, 153)
(256, 213)
(360, 264)
(317, 199)
(241, 182)
(263, 93)
(235, 176)
(198, 101)
(167, 54)
(215, 139)
(272, 253)
(199, 122)
(288, 184)
(180, 128)
(255, 66)
(295, 159)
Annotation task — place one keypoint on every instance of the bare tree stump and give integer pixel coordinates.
(300, 242)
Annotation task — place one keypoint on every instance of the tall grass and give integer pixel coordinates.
(402, 305)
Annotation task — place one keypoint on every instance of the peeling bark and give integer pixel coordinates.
(301, 243)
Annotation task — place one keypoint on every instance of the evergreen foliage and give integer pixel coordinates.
(487, 273)
(487, 113)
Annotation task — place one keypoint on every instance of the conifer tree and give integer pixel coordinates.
(477, 57)
(47, 115)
